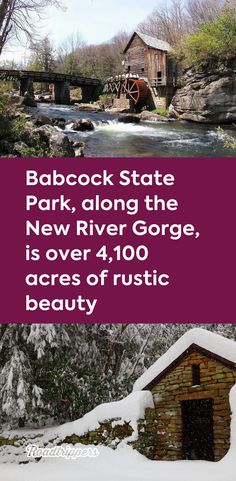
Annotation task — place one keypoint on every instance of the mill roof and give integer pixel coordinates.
(151, 42)
(209, 343)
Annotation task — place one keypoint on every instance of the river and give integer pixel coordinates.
(111, 138)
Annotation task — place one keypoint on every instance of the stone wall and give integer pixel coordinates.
(109, 433)
(123, 104)
(112, 432)
(216, 382)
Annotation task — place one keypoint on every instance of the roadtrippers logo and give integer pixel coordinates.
(33, 451)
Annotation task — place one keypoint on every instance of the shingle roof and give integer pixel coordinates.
(152, 42)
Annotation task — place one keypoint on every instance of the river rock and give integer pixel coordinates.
(82, 125)
(27, 136)
(151, 117)
(79, 148)
(59, 122)
(43, 97)
(14, 99)
(60, 145)
(208, 96)
(129, 118)
(89, 107)
(42, 120)
(28, 100)
(45, 132)
(4, 126)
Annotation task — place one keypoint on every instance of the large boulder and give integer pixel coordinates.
(60, 145)
(42, 120)
(78, 148)
(89, 107)
(152, 117)
(59, 122)
(208, 96)
(14, 99)
(4, 126)
(129, 118)
(82, 125)
(28, 100)
(44, 132)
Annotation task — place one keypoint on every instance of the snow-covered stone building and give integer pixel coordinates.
(190, 385)
(179, 409)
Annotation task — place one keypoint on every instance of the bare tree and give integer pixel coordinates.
(200, 11)
(181, 17)
(43, 55)
(21, 16)
(169, 22)
(68, 53)
(99, 61)
(120, 40)
(69, 45)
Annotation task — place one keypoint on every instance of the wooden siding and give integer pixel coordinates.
(156, 63)
(136, 57)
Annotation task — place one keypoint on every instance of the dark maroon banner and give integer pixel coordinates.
(201, 269)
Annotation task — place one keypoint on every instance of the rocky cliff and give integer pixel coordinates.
(208, 96)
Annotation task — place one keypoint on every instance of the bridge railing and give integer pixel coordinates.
(49, 77)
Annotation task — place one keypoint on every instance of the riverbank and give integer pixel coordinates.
(23, 134)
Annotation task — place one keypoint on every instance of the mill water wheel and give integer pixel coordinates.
(137, 90)
(132, 88)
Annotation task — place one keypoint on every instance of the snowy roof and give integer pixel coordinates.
(221, 347)
(152, 42)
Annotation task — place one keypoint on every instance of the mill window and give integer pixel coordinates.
(159, 78)
(196, 375)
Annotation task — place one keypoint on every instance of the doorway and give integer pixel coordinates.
(197, 429)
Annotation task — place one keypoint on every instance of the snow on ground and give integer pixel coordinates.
(214, 343)
(123, 464)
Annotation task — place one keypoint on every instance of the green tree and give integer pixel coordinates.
(71, 64)
(214, 41)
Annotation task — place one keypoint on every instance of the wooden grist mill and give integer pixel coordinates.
(129, 92)
(149, 77)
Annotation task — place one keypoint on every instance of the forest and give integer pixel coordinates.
(52, 373)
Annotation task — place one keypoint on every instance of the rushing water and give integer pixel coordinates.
(111, 138)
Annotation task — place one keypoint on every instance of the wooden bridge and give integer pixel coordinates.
(90, 87)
